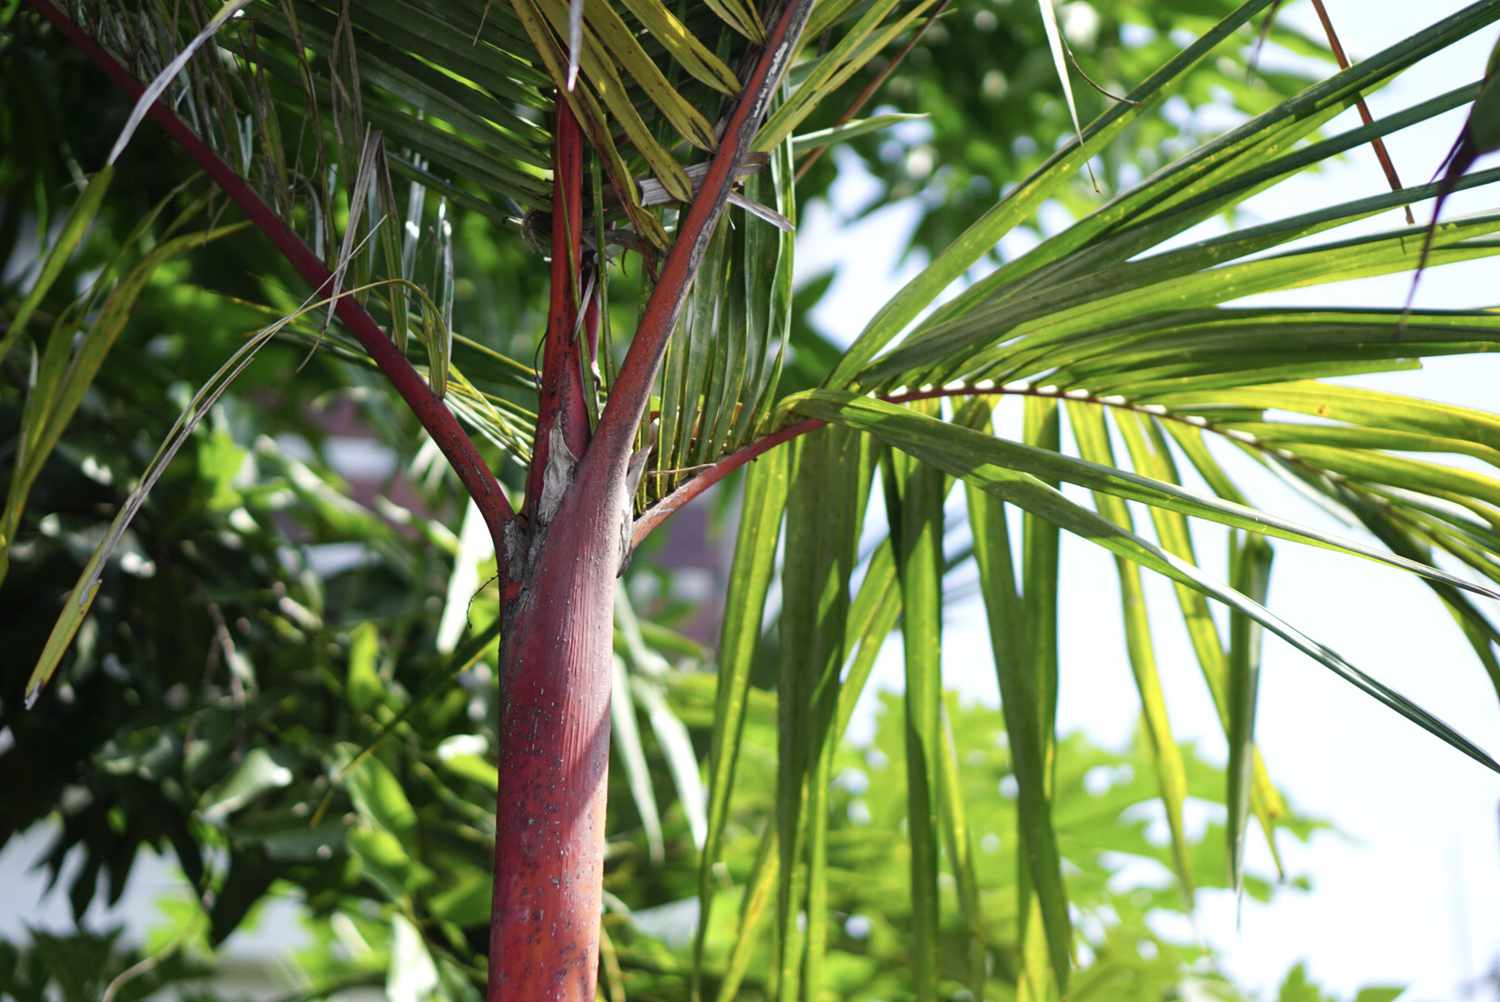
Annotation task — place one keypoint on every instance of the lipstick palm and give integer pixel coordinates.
(307, 114)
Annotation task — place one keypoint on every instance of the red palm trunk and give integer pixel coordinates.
(560, 562)
(554, 750)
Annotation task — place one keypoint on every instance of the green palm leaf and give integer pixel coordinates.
(914, 508)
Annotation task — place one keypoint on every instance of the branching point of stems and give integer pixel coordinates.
(632, 389)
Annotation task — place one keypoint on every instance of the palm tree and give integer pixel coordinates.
(552, 113)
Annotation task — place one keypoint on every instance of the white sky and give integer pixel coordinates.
(1412, 895)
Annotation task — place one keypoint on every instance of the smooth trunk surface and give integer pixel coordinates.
(554, 760)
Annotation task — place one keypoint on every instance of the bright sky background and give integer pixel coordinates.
(1411, 893)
